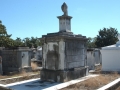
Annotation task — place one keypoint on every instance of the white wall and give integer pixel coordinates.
(110, 60)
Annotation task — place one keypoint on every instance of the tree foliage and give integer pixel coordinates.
(106, 37)
(18, 42)
(5, 40)
(32, 42)
(91, 42)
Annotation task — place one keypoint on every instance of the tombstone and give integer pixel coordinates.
(111, 57)
(93, 58)
(15, 60)
(64, 53)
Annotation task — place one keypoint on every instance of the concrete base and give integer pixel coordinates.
(27, 69)
(11, 71)
(63, 75)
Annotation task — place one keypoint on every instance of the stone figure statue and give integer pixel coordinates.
(64, 9)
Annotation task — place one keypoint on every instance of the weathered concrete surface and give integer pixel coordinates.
(63, 53)
(63, 75)
(1, 70)
(16, 59)
(64, 23)
(94, 58)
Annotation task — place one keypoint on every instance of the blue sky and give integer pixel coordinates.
(26, 18)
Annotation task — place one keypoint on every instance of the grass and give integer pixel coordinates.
(25, 75)
(19, 77)
(23, 72)
(94, 83)
(34, 66)
(2, 77)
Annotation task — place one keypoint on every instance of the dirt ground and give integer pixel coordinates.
(95, 82)
(118, 88)
(15, 78)
(23, 73)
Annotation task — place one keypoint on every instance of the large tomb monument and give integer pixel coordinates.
(64, 53)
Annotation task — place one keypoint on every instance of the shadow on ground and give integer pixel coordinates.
(34, 85)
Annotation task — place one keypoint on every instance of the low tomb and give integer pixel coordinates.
(15, 60)
(111, 57)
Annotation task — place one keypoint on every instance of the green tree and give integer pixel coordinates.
(5, 40)
(35, 42)
(32, 42)
(18, 42)
(107, 36)
(27, 42)
(91, 42)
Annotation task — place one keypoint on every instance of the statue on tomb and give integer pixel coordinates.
(64, 9)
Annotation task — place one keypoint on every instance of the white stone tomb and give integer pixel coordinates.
(111, 57)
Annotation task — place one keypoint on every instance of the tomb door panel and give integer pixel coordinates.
(25, 59)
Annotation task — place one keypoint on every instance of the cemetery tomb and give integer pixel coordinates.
(63, 53)
(93, 58)
(16, 59)
(111, 57)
